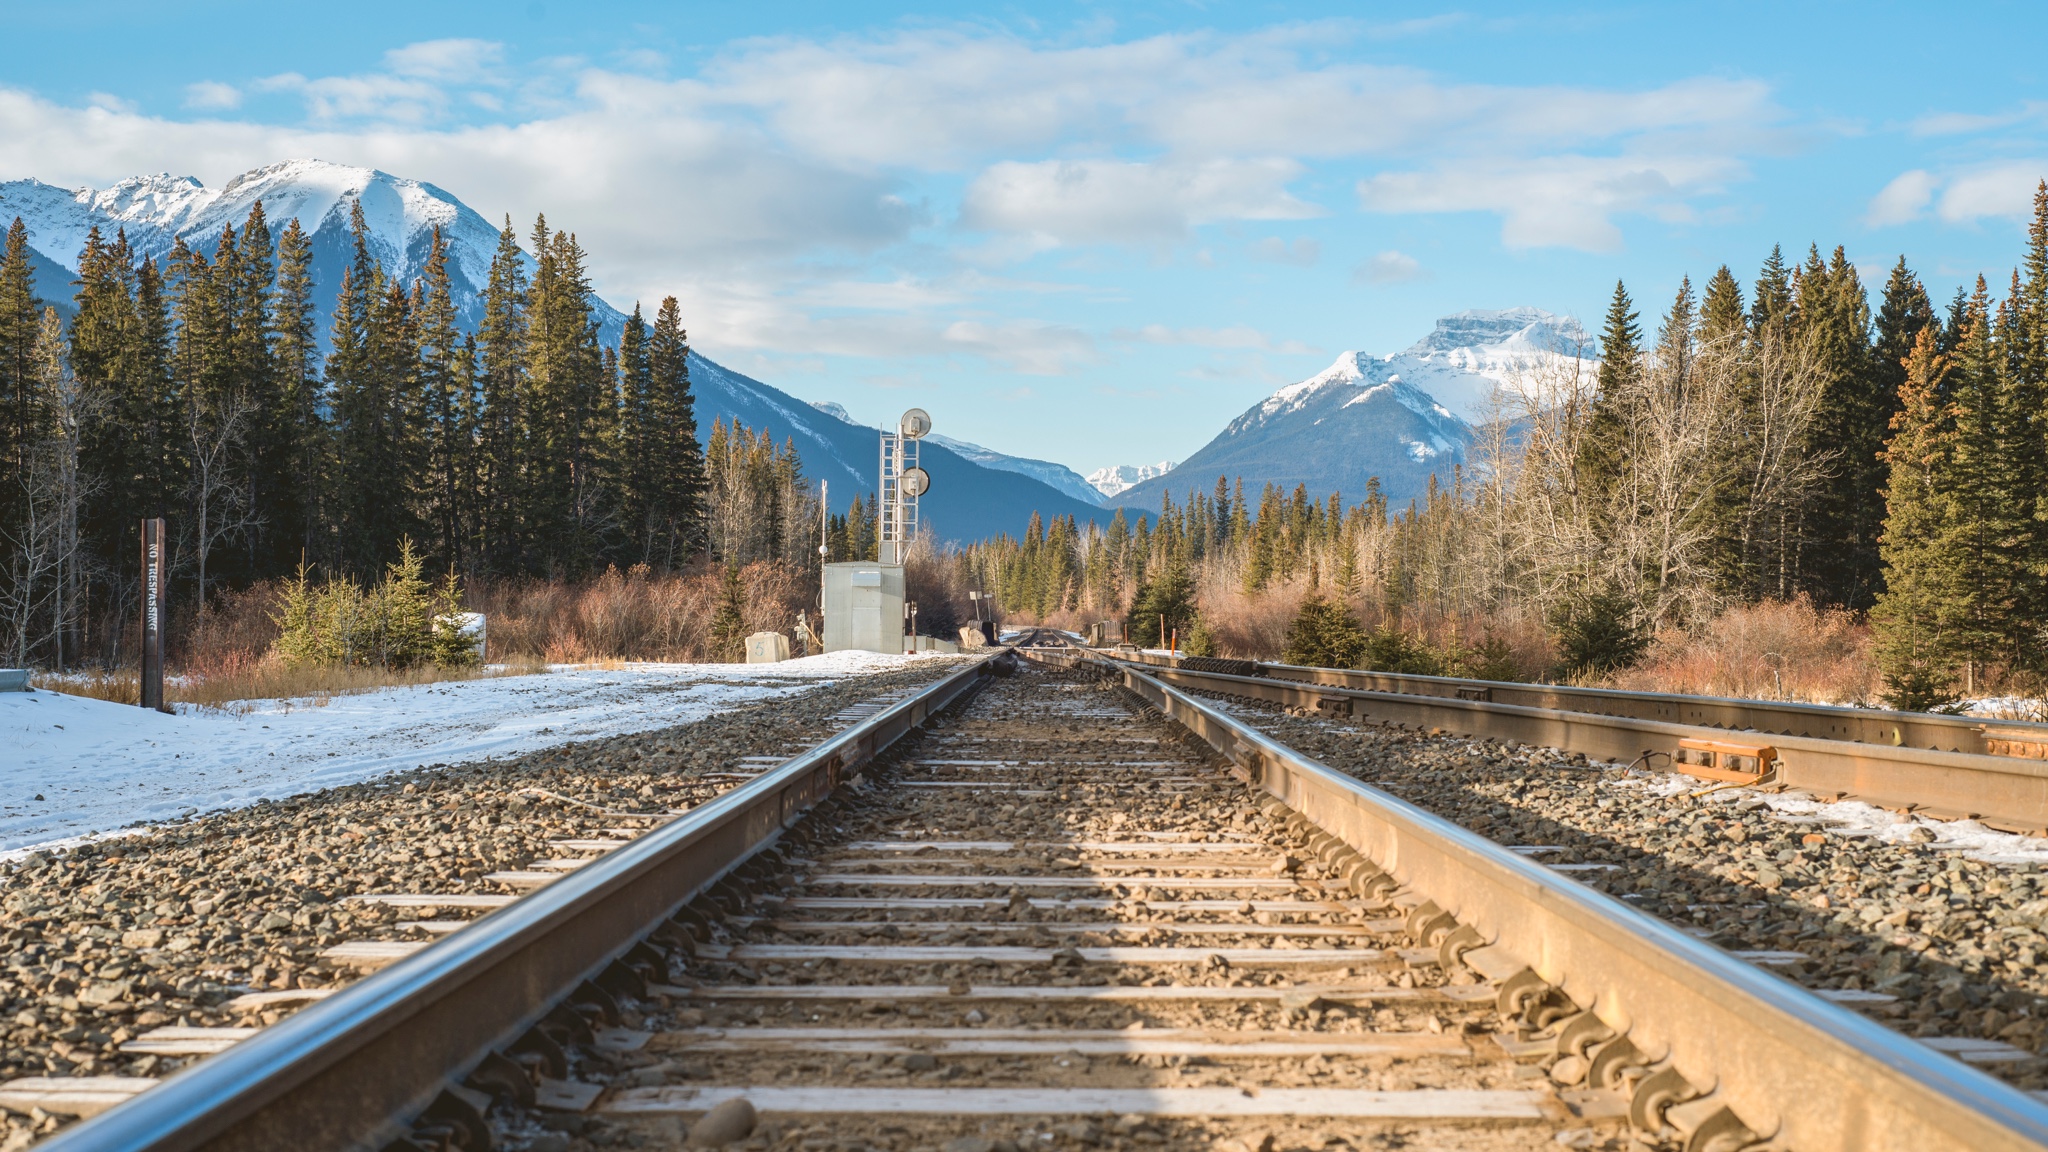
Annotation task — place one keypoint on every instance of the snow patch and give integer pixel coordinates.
(99, 766)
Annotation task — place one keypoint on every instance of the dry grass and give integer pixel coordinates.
(1249, 626)
(634, 615)
(1775, 650)
(224, 659)
(265, 680)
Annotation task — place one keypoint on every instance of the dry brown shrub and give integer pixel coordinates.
(1250, 626)
(632, 615)
(1773, 650)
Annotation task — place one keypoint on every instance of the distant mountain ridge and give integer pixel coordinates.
(1401, 418)
(968, 501)
(1113, 480)
(158, 210)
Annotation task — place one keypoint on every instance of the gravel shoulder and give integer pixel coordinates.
(165, 925)
(1915, 934)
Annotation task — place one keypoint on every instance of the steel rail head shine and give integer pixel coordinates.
(1793, 1069)
(350, 1071)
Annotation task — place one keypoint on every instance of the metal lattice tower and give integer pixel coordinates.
(902, 483)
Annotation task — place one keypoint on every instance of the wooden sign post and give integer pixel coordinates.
(154, 582)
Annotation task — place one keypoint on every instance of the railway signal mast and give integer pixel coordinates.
(864, 601)
(902, 483)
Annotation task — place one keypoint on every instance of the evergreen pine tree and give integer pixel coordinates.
(1771, 306)
(1927, 618)
(639, 441)
(19, 325)
(500, 368)
(1323, 633)
(1722, 321)
(680, 506)
(300, 444)
(1603, 447)
(1840, 560)
(445, 418)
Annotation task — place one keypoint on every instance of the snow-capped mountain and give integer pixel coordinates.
(968, 501)
(1057, 476)
(1115, 479)
(157, 210)
(1470, 354)
(1399, 418)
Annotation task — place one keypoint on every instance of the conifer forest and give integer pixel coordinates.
(196, 391)
(1792, 442)
(1871, 454)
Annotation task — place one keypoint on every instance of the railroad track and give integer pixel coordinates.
(1053, 920)
(1949, 767)
(1929, 730)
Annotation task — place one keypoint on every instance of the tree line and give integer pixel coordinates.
(1788, 441)
(194, 389)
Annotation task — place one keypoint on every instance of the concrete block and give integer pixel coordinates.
(767, 648)
(14, 680)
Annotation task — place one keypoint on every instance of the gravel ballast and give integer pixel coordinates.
(163, 925)
(1913, 933)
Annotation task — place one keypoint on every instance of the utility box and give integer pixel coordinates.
(767, 648)
(864, 607)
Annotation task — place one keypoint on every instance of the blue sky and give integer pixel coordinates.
(1094, 232)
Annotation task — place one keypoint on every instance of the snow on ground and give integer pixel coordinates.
(71, 765)
(1855, 818)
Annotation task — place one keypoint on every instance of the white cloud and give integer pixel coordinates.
(2005, 190)
(1904, 199)
(1112, 201)
(1236, 336)
(1967, 123)
(1557, 201)
(212, 95)
(448, 61)
(373, 96)
(1302, 251)
(784, 188)
(1390, 267)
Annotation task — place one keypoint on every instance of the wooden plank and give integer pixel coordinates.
(1420, 1104)
(371, 954)
(1240, 847)
(1107, 993)
(1242, 865)
(1083, 904)
(566, 1095)
(79, 1096)
(437, 899)
(1768, 956)
(434, 927)
(1974, 1050)
(257, 1001)
(899, 880)
(1853, 996)
(1170, 927)
(1057, 1042)
(522, 878)
(999, 954)
(561, 863)
(176, 1040)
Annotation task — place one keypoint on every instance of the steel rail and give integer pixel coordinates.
(2002, 791)
(1790, 1067)
(349, 1071)
(1926, 730)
